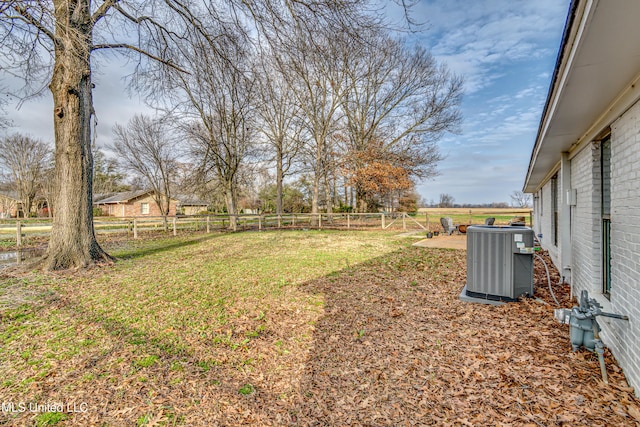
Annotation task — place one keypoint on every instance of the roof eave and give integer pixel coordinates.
(568, 35)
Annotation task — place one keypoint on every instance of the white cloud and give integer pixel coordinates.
(477, 38)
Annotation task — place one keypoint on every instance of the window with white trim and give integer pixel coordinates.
(605, 198)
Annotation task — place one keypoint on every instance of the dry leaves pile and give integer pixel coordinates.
(426, 358)
(390, 345)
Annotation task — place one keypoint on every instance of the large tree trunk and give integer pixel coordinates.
(73, 243)
(29, 206)
(279, 179)
(361, 200)
(230, 200)
(315, 200)
(317, 179)
(327, 194)
(163, 203)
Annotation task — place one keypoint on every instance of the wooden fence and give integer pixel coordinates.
(19, 231)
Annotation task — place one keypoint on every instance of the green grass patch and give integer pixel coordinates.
(173, 309)
(49, 418)
(145, 362)
(246, 389)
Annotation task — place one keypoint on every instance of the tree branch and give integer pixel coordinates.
(30, 19)
(166, 62)
(136, 20)
(103, 10)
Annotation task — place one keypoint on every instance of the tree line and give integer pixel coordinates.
(254, 94)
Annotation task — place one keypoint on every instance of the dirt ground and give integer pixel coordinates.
(426, 358)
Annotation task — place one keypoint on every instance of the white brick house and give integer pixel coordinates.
(584, 171)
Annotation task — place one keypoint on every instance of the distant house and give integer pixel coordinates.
(190, 205)
(132, 204)
(584, 169)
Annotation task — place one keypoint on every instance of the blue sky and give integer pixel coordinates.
(504, 49)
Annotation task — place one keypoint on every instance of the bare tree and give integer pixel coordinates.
(281, 125)
(145, 147)
(47, 188)
(106, 177)
(312, 64)
(446, 201)
(398, 102)
(25, 159)
(54, 42)
(216, 99)
(520, 199)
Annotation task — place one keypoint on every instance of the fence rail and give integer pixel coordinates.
(20, 232)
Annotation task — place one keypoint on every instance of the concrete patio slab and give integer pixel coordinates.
(456, 241)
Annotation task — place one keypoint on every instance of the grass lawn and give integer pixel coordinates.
(288, 328)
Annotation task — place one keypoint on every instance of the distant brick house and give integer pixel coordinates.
(132, 204)
(584, 168)
(142, 203)
(190, 206)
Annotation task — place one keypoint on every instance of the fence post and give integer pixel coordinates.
(175, 231)
(404, 221)
(348, 221)
(260, 222)
(18, 234)
(383, 225)
(135, 228)
(320, 221)
(293, 219)
(208, 227)
(279, 221)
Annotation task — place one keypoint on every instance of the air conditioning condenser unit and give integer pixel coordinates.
(499, 263)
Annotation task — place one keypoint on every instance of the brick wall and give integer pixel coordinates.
(586, 221)
(621, 336)
(134, 208)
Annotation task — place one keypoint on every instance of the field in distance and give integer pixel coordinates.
(476, 215)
